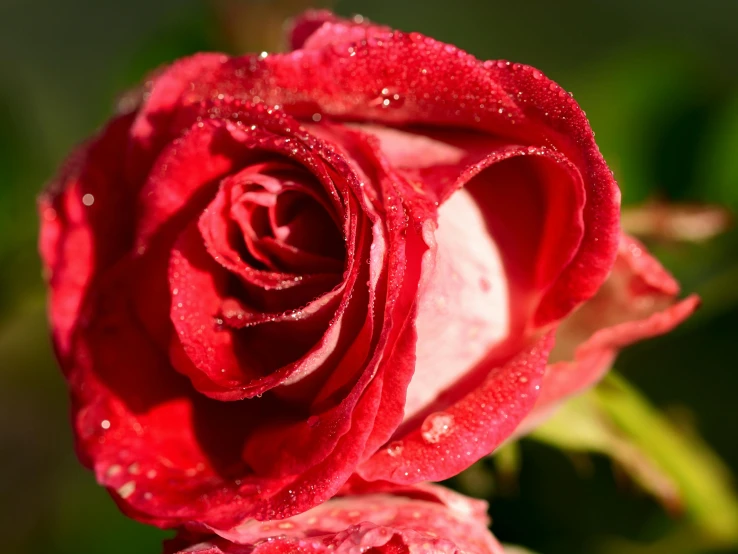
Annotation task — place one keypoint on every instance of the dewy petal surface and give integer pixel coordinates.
(428, 518)
(449, 441)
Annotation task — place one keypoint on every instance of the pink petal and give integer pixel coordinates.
(405, 520)
(638, 301)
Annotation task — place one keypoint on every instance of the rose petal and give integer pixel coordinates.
(403, 520)
(488, 272)
(149, 130)
(307, 30)
(448, 442)
(637, 302)
(168, 454)
(86, 224)
(229, 362)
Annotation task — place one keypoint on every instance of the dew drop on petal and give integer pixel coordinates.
(395, 449)
(399, 474)
(127, 489)
(436, 426)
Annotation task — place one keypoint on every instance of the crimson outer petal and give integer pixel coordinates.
(416, 519)
(71, 252)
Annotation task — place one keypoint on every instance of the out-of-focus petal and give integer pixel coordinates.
(638, 301)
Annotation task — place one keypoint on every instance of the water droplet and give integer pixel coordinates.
(105, 424)
(395, 449)
(399, 474)
(436, 426)
(388, 99)
(88, 199)
(127, 489)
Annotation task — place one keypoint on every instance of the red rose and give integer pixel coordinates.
(419, 519)
(278, 271)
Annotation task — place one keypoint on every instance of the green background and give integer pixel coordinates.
(659, 82)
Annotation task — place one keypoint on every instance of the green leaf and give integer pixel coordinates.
(582, 426)
(676, 467)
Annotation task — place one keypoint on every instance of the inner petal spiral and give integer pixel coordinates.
(281, 222)
(263, 264)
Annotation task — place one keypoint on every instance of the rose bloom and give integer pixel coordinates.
(269, 273)
(422, 519)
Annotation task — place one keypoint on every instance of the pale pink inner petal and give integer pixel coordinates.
(464, 309)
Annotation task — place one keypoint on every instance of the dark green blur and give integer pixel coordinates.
(659, 82)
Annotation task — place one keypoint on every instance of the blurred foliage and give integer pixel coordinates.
(512, 549)
(659, 81)
(665, 459)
